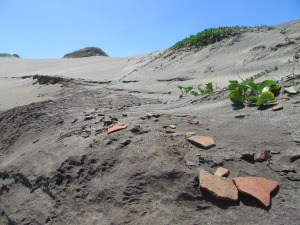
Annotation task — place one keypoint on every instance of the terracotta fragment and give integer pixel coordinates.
(99, 118)
(170, 130)
(203, 141)
(116, 127)
(257, 187)
(277, 107)
(221, 187)
(264, 155)
(189, 134)
(222, 172)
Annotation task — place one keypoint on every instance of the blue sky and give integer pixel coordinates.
(50, 29)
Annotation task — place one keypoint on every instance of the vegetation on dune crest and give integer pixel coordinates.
(9, 55)
(213, 35)
(86, 52)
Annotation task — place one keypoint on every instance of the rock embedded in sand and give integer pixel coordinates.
(116, 127)
(257, 187)
(222, 172)
(221, 187)
(202, 141)
(193, 121)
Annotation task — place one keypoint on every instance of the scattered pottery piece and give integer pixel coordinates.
(203, 141)
(189, 134)
(116, 127)
(257, 187)
(222, 172)
(277, 107)
(249, 157)
(193, 121)
(221, 187)
(99, 118)
(264, 155)
(170, 130)
(172, 126)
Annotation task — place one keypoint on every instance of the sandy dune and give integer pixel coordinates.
(58, 166)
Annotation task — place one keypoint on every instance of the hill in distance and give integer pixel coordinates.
(86, 52)
(9, 55)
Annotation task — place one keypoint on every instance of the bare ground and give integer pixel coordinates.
(50, 174)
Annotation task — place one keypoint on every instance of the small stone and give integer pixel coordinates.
(116, 127)
(85, 135)
(113, 118)
(154, 118)
(73, 121)
(249, 157)
(257, 187)
(193, 121)
(277, 107)
(203, 141)
(264, 155)
(99, 118)
(88, 117)
(170, 130)
(222, 172)
(221, 187)
(172, 126)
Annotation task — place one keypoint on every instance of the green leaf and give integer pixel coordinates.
(194, 93)
(201, 90)
(265, 97)
(275, 87)
(187, 89)
(180, 87)
(293, 89)
(233, 82)
(264, 86)
(233, 86)
(209, 87)
(236, 96)
(252, 85)
(252, 98)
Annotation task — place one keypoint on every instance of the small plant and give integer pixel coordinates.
(208, 88)
(256, 76)
(297, 56)
(186, 90)
(249, 92)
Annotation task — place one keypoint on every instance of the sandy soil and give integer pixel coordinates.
(57, 167)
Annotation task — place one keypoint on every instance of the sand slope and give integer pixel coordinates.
(57, 167)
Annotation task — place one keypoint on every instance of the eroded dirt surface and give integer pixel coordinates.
(51, 174)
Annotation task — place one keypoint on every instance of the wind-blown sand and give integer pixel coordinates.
(50, 174)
